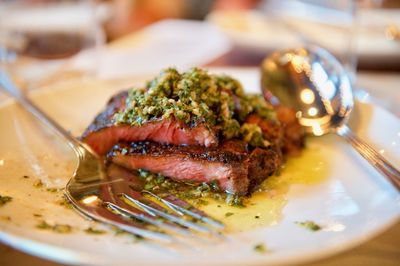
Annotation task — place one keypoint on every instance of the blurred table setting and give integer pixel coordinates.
(45, 42)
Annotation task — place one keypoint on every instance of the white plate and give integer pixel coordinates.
(350, 200)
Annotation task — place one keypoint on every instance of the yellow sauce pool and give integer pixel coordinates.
(264, 207)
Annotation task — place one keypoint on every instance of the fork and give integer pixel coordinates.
(118, 198)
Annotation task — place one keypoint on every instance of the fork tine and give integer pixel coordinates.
(182, 207)
(126, 224)
(117, 188)
(166, 215)
(110, 196)
(99, 213)
(145, 218)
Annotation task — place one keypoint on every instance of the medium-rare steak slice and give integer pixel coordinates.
(236, 169)
(104, 132)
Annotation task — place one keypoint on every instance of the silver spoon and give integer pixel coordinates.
(316, 85)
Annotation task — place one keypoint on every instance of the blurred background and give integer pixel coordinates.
(368, 30)
(43, 41)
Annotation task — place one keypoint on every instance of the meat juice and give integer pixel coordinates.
(264, 207)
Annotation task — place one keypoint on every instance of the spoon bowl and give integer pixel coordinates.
(315, 84)
(312, 82)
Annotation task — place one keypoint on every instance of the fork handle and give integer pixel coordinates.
(7, 85)
(372, 156)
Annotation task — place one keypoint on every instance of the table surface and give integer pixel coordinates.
(382, 250)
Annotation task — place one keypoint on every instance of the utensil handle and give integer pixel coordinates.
(372, 156)
(7, 85)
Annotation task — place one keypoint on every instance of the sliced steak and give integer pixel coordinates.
(286, 134)
(104, 133)
(236, 169)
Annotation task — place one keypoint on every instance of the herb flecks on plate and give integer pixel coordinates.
(52, 189)
(260, 248)
(93, 231)
(57, 228)
(65, 202)
(38, 183)
(119, 231)
(310, 225)
(4, 200)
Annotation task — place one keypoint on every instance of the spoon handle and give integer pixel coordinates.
(372, 156)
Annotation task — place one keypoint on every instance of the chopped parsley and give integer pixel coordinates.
(195, 97)
(38, 183)
(310, 225)
(235, 200)
(4, 200)
(229, 214)
(119, 231)
(93, 231)
(65, 202)
(57, 228)
(260, 248)
(195, 193)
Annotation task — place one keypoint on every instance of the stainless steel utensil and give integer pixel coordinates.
(316, 85)
(118, 199)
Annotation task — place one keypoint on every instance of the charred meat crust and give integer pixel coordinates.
(237, 169)
(190, 152)
(105, 118)
(293, 138)
(286, 134)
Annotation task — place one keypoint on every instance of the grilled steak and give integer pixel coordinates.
(196, 127)
(104, 133)
(235, 168)
(286, 135)
(293, 139)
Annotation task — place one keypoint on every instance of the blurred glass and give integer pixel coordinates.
(330, 24)
(38, 38)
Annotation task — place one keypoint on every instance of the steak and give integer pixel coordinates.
(293, 139)
(104, 133)
(236, 169)
(286, 134)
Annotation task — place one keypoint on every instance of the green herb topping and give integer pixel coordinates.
(195, 97)
(4, 200)
(310, 225)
